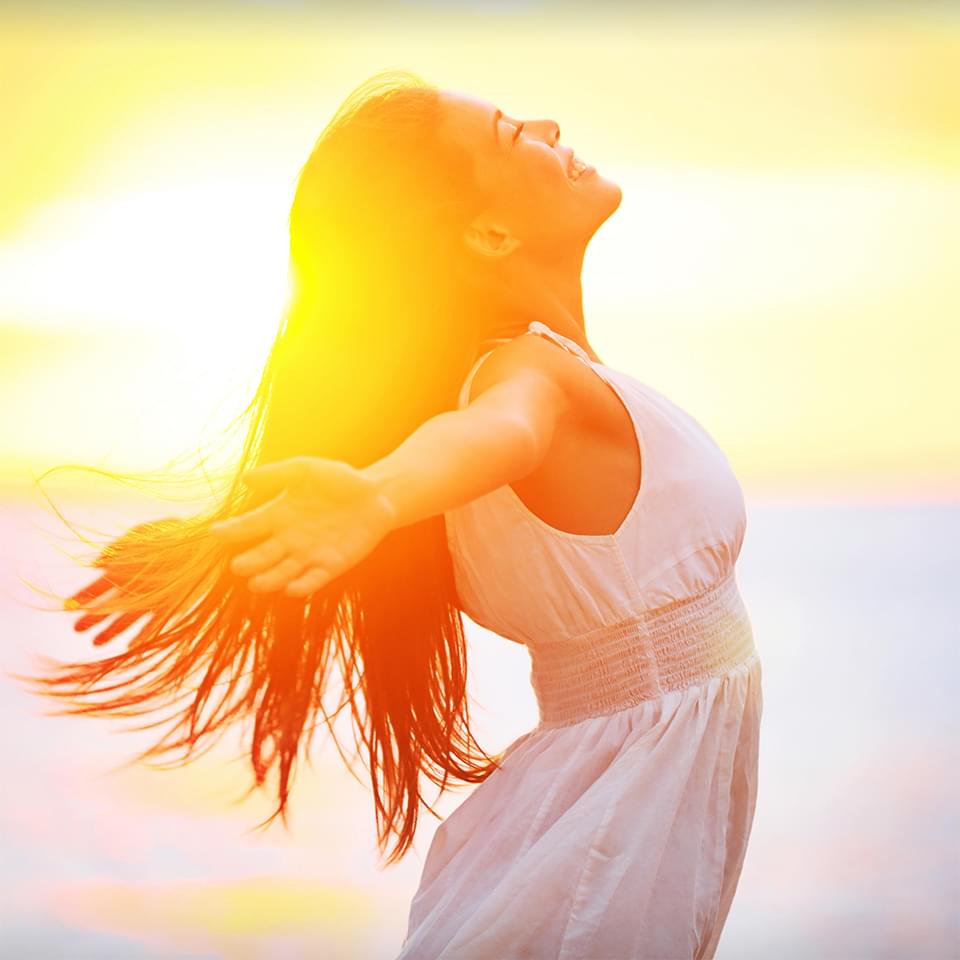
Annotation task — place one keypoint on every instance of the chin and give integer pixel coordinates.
(607, 198)
(612, 187)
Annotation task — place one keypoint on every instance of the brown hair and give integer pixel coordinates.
(379, 330)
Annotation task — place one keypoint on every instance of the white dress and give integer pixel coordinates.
(617, 827)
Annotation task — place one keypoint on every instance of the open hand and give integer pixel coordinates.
(325, 518)
(112, 584)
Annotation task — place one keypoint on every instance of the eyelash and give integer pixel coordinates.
(516, 136)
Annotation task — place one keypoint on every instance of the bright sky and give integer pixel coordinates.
(783, 264)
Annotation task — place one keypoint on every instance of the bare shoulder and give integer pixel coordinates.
(529, 353)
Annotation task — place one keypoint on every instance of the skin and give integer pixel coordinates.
(536, 414)
(534, 235)
(537, 417)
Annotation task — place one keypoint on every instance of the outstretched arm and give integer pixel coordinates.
(327, 516)
(455, 457)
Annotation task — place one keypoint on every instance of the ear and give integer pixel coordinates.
(490, 241)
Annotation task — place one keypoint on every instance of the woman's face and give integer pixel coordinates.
(538, 204)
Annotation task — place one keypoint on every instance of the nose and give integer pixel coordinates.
(549, 129)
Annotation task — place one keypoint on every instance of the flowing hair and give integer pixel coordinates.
(378, 332)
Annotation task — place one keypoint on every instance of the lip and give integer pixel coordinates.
(588, 170)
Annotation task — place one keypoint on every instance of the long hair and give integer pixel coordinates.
(378, 332)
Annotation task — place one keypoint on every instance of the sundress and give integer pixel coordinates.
(618, 826)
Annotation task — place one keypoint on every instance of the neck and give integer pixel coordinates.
(551, 293)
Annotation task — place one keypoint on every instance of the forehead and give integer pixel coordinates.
(468, 117)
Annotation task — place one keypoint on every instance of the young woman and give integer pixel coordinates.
(433, 435)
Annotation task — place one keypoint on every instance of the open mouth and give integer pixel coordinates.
(578, 168)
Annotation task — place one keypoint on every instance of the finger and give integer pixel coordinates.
(260, 558)
(278, 577)
(88, 593)
(88, 621)
(246, 526)
(118, 626)
(93, 616)
(310, 582)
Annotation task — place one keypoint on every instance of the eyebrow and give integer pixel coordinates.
(498, 113)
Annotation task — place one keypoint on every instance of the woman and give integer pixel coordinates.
(433, 435)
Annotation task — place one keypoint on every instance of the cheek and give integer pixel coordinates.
(540, 197)
(551, 172)
(548, 186)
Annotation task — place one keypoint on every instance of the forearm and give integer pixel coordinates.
(451, 459)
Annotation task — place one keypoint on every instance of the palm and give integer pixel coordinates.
(326, 518)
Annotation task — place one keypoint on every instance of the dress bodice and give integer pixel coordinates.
(674, 553)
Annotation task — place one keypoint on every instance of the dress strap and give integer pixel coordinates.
(572, 346)
(537, 327)
(465, 389)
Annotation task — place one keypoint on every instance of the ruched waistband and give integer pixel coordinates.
(678, 645)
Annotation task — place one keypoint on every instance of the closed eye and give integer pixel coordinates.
(516, 136)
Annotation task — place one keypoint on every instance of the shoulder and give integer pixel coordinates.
(530, 356)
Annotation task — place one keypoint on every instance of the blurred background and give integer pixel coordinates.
(785, 265)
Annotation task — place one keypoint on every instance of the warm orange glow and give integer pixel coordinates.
(783, 265)
(781, 261)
